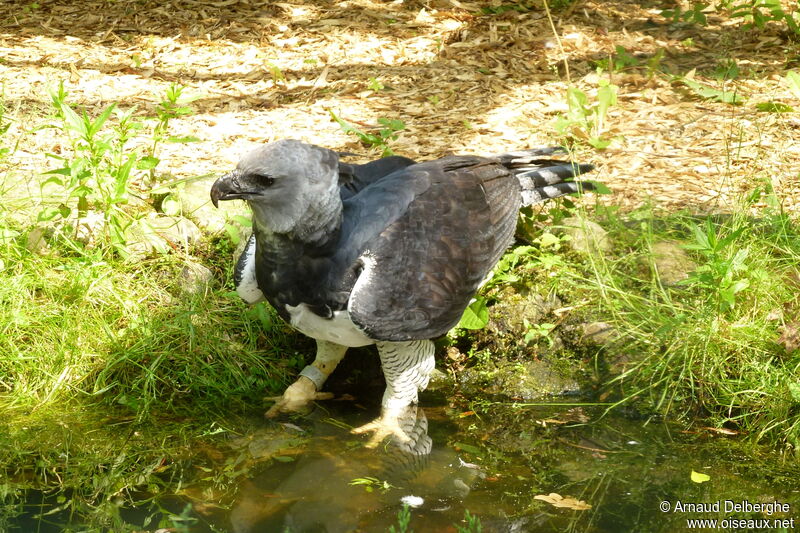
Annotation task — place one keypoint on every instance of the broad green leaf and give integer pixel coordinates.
(577, 100)
(599, 143)
(704, 91)
(123, 174)
(740, 285)
(73, 121)
(476, 315)
(233, 233)
(148, 162)
(599, 188)
(81, 191)
(774, 107)
(48, 213)
(606, 97)
(52, 179)
(95, 126)
(548, 239)
(171, 205)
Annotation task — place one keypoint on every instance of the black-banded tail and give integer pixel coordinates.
(542, 179)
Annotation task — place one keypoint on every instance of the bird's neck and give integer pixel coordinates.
(321, 223)
(316, 225)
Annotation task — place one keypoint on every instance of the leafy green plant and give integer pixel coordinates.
(375, 84)
(619, 61)
(757, 13)
(694, 15)
(720, 276)
(388, 132)
(372, 483)
(585, 120)
(403, 521)
(276, 73)
(726, 69)
(97, 172)
(622, 60)
(172, 106)
(709, 93)
(537, 331)
(473, 524)
(754, 13)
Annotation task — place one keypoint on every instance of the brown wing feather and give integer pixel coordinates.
(423, 269)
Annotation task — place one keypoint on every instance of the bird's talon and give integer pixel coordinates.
(385, 426)
(297, 398)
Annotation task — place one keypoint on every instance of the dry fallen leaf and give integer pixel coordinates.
(790, 337)
(556, 500)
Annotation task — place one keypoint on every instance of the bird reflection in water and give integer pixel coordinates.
(338, 485)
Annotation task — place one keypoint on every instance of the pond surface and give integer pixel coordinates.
(560, 467)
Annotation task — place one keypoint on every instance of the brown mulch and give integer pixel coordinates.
(461, 81)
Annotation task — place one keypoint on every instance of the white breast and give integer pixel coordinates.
(247, 288)
(339, 329)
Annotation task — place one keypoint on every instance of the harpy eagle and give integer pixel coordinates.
(387, 253)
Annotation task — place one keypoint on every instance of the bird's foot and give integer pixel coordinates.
(297, 398)
(386, 425)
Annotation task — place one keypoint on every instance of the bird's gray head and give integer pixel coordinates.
(292, 187)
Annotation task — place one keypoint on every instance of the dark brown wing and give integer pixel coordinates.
(422, 269)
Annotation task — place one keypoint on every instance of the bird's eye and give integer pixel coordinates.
(265, 179)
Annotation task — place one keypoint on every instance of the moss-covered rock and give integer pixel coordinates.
(530, 380)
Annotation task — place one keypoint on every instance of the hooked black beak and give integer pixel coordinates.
(221, 189)
(225, 189)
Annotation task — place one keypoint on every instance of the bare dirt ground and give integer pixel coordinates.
(461, 81)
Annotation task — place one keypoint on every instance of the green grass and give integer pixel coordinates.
(89, 328)
(706, 350)
(113, 380)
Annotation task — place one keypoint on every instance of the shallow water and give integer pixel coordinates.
(610, 473)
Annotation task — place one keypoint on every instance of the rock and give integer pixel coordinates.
(598, 333)
(195, 203)
(158, 234)
(88, 227)
(531, 380)
(439, 380)
(586, 237)
(672, 263)
(36, 242)
(178, 231)
(509, 314)
(195, 278)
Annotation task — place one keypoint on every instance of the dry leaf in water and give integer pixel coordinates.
(556, 500)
